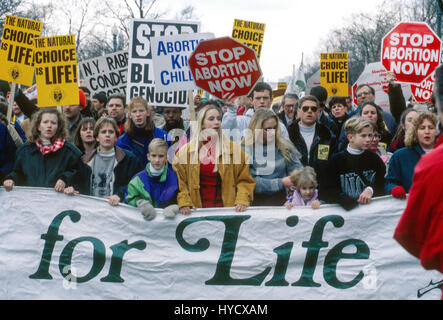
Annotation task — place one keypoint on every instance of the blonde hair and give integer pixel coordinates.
(411, 136)
(129, 124)
(356, 125)
(158, 143)
(283, 145)
(304, 177)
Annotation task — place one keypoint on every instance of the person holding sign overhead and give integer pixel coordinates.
(46, 148)
(261, 97)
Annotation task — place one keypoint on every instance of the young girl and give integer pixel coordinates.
(305, 193)
(47, 159)
(84, 135)
(208, 174)
(139, 130)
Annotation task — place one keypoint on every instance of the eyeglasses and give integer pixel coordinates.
(288, 106)
(366, 93)
(306, 108)
(376, 136)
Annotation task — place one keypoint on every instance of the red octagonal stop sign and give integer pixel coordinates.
(411, 50)
(224, 65)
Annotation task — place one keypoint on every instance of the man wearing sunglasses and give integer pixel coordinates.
(313, 140)
(235, 126)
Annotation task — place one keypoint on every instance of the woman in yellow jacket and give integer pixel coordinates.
(212, 170)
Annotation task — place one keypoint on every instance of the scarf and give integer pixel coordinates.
(45, 149)
(298, 200)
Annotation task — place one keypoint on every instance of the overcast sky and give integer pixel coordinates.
(292, 26)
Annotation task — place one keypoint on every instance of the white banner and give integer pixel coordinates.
(55, 246)
(170, 59)
(140, 70)
(107, 73)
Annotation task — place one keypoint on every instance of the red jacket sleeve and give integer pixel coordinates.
(420, 229)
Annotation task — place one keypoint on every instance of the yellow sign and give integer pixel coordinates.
(250, 34)
(334, 73)
(323, 152)
(282, 86)
(17, 49)
(56, 71)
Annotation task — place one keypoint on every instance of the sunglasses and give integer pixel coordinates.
(306, 108)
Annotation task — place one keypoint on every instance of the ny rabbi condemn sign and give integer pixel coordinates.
(224, 65)
(412, 51)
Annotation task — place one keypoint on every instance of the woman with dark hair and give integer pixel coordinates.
(398, 141)
(139, 130)
(372, 112)
(420, 138)
(107, 169)
(339, 115)
(84, 135)
(212, 170)
(47, 159)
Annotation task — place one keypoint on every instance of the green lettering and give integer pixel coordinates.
(98, 259)
(118, 250)
(335, 254)
(314, 245)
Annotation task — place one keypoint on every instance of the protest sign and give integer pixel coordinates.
(106, 73)
(170, 56)
(140, 66)
(56, 71)
(224, 65)
(411, 50)
(249, 33)
(374, 75)
(76, 248)
(423, 91)
(282, 85)
(334, 73)
(17, 49)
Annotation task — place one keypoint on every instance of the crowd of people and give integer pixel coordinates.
(238, 152)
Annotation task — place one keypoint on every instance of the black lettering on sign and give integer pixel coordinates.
(144, 30)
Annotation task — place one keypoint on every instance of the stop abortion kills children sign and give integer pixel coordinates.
(411, 50)
(224, 65)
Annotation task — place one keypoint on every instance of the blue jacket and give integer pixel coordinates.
(140, 150)
(161, 191)
(401, 168)
(7, 151)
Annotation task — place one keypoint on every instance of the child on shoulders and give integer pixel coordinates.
(305, 193)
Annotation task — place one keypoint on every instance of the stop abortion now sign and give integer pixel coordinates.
(224, 65)
(412, 51)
